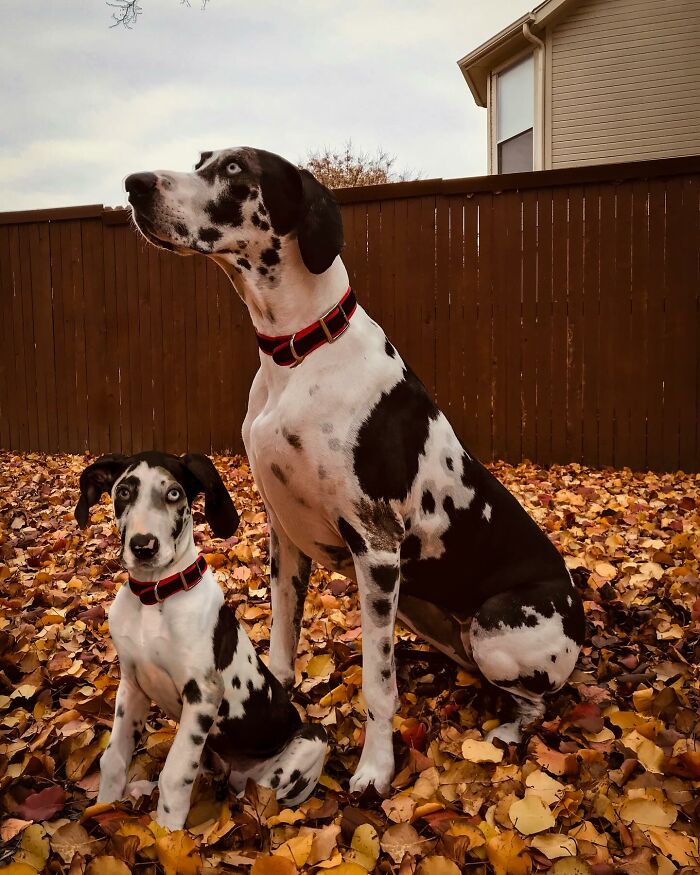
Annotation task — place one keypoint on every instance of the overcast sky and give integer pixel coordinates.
(83, 105)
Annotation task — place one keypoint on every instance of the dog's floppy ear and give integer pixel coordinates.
(218, 506)
(96, 479)
(320, 228)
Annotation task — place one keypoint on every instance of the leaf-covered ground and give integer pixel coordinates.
(608, 784)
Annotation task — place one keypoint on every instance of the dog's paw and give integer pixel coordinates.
(507, 732)
(371, 773)
(172, 820)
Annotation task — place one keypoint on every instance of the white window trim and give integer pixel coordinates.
(537, 120)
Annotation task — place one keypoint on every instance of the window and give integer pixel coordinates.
(515, 106)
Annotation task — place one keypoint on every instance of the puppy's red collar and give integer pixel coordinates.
(152, 592)
(289, 350)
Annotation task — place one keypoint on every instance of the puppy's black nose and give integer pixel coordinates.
(140, 184)
(144, 546)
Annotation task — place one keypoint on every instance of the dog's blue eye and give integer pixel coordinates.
(232, 169)
(173, 494)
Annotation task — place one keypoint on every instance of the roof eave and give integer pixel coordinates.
(477, 65)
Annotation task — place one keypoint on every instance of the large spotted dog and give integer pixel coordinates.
(181, 646)
(357, 467)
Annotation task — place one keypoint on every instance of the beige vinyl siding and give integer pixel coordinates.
(624, 82)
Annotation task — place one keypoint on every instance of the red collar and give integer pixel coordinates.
(154, 591)
(289, 350)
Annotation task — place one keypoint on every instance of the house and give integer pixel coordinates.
(589, 82)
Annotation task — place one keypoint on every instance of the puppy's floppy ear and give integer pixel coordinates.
(320, 229)
(218, 506)
(96, 479)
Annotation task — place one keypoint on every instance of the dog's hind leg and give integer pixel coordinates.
(292, 772)
(526, 641)
(289, 581)
(131, 710)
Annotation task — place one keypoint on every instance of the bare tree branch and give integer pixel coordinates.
(349, 168)
(127, 11)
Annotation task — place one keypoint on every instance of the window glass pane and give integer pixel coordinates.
(516, 99)
(515, 155)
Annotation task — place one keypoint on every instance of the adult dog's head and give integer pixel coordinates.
(241, 203)
(152, 494)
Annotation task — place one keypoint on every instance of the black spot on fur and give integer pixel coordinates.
(428, 502)
(255, 219)
(278, 472)
(276, 243)
(264, 226)
(209, 235)
(450, 464)
(253, 194)
(225, 638)
(236, 682)
(225, 211)
(351, 537)
(269, 257)
(370, 715)
(262, 271)
(166, 809)
(392, 438)
(386, 647)
(194, 765)
(292, 439)
(386, 674)
(300, 784)
(179, 523)
(338, 556)
(192, 692)
(188, 781)
(197, 739)
(553, 657)
(274, 781)
(385, 576)
(137, 735)
(224, 708)
(181, 229)
(205, 721)
(381, 607)
(301, 586)
(120, 711)
(389, 349)
(244, 263)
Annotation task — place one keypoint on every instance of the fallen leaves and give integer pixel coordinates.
(609, 782)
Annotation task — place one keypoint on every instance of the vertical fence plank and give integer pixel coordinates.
(112, 371)
(544, 327)
(8, 395)
(529, 326)
(608, 352)
(24, 275)
(559, 341)
(456, 384)
(513, 305)
(427, 244)
(592, 325)
(468, 329)
(484, 335)
(639, 327)
(575, 328)
(625, 362)
(688, 305)
(500, 268)
(657, 315)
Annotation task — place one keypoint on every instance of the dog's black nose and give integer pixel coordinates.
(144, 546)
(140, 184)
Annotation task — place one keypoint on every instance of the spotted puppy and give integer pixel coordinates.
(181, 646)
(358, 468)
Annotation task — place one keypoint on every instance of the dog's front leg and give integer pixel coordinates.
(129, 717)
(378, 584)
(289, 581)
(201, 700)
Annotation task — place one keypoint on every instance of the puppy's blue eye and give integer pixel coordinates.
(174, 494)
(232, 169)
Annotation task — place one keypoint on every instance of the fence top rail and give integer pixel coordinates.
(470, 185)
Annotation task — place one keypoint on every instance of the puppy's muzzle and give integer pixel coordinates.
(144, 547)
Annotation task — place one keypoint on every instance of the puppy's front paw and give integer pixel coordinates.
(507, 732)
(172, 820)
(372, 773)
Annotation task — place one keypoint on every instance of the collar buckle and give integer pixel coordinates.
(298, 359)
(322, 322)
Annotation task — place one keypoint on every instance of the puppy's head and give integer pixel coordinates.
(240, 203)
(152, 494)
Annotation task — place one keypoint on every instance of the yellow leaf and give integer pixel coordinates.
(69, 839)
(106, 865)
(506, 854)
(436, 865)
(142, 833)
(287, 816)
(324, 842)
(541, 784)
(530, 815)
(681, 848)
(34, 850)
(554, 845)
(345, 869)
(401, 839)
(481, 751)
(365, 847)
(178, 854)
(399, 809)
(574, 866)
(296, 849)
(647, 812)
(265, 865)
(606, 570)
(18, 869)
(649, 754)
(321, 666)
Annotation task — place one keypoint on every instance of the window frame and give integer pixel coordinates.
(492, 103)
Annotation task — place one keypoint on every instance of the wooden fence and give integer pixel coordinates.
(555, 316)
